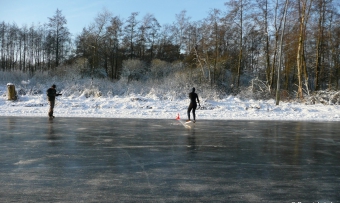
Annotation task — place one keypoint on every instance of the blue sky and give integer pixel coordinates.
(81, 13)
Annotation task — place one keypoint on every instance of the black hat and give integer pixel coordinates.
(193, 89)
(54, 86)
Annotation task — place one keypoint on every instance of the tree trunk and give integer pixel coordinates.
(280, 56)
(301, 66)
(267, 43)
(319, 46)
(239, 66)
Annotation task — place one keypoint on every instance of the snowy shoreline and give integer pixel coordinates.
(143, 107)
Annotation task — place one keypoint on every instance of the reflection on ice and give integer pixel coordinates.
(129, 160)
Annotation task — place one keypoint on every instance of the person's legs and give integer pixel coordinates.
(189, 109)
(50, 112)
(194, 111)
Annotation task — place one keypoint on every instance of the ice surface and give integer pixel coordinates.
(158, 160)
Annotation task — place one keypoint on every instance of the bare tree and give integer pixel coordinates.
(3, 42)
(153, 35)
(304, 11)
(321, 5)
(214, 38)
(114, 34)
(265, 11)
(147, 30)
(334, 38)
(166, 49)
(280, 55)
(237, 13)
(59, 33)
(131, 30)
(179, 30)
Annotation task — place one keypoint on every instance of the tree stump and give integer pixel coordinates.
(11, 93)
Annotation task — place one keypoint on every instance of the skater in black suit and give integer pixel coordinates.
(193, 104)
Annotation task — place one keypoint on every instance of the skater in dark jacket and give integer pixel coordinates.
(193, 104)
(51, 94)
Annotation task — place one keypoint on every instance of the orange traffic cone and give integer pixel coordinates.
(177, 118)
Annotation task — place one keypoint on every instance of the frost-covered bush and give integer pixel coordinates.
(14, 77)
(158, 80)
(159, 69)
(134, 69)
(324, 97)
(92, 93)
(25, 83)
(257, 90)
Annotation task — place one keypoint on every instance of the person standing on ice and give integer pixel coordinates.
(51, 94)
(193, 104)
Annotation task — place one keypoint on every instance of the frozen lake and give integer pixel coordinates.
(141, 160)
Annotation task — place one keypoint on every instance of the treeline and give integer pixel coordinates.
(295, 44)
(35, 48)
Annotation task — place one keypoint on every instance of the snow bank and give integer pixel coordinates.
(152, 106)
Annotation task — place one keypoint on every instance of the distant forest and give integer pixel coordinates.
(285, 46)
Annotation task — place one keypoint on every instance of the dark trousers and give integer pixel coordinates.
(50, 111)
(192, 107)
